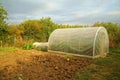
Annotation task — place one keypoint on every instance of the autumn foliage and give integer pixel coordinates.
(39, 31)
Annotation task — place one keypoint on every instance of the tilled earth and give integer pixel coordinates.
(46, 66)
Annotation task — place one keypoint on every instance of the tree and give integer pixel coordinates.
(3, 14)
(15, 35)
(47, 26)
(3, 25)
(32, 29)
(38, 30)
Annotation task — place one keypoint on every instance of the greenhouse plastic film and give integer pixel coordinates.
(43, 46)
(81, 41)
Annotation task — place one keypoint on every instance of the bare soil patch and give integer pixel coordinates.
(36, 65)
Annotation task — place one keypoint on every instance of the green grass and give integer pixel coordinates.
(82, 75)
(27, 47)
(8, 48)
(107, 68)
(4, 51)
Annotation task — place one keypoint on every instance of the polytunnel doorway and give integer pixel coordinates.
(101, 43)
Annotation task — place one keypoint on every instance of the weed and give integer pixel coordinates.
(82, 75)
(20, 77)
(68, 57)
(27, 46)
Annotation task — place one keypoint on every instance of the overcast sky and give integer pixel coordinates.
(84, 12)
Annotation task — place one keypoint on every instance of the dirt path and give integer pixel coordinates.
(36, 65)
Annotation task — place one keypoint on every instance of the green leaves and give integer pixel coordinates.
(3, 14)
(27, 46)
(39, 30)
(3, 25)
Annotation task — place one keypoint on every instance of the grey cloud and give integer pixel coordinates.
(89, 20)
(22, 6)
(62, 11)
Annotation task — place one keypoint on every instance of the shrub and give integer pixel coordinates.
(27, 46)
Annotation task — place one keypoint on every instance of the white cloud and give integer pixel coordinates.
(114, 13)
(87, 13)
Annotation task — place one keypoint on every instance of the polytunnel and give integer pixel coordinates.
(87, 42)
(42, 46)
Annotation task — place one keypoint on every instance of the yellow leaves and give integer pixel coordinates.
(15, 30)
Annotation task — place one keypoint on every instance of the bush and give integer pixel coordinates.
(28, 47)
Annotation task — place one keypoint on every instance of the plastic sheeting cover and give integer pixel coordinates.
(91, 41)
(43, 46)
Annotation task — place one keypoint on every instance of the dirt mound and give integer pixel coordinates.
(44, 67)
